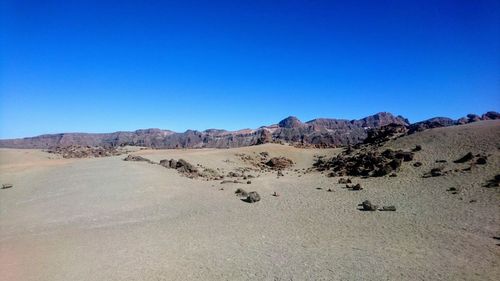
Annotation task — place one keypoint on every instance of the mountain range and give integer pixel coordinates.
(321, 132)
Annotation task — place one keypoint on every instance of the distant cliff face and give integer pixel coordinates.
(321, 132)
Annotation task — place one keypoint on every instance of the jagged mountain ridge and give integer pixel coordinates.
(322, 132)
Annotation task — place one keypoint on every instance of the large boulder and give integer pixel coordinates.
(185, 167)
(172, 163)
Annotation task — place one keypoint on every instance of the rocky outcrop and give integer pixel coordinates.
(385, 133)
(279, 163)
(77, 151)
(365, 162)
(137, 158)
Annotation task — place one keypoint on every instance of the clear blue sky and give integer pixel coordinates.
(99, 66)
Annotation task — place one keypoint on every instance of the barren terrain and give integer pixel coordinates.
(109, 219)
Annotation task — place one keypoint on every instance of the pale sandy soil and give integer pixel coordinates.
(107, 219)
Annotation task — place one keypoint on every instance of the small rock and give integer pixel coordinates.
(495, 182)
(233, 175)
(7, 185)
(467, 157)
(481, 161)
(253, 197)
(354, 187)
(436, 172)
(405, 155)
(241, 192)
(264, 154)
(368, 206)
(417, 148)
(344, 181)
(417, 164)
(396, 163)
(388, 208)
(136, 158)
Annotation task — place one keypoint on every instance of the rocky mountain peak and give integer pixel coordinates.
(290, 122)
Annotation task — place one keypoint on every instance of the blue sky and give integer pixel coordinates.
(99, 66)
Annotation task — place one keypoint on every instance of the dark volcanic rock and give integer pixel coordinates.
(385, 133)
(434, 172)
(368, 206)
(396, 163)
(481, 161)
(253, 197)
(241, 192)
(185, 167)
(364, 163)
(417, 148)
(494, 182)
(405, 155)
(354, 187)
(467, 157)
(344, 181)
(388, 208)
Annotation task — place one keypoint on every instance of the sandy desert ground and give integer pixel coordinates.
(109, 219)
